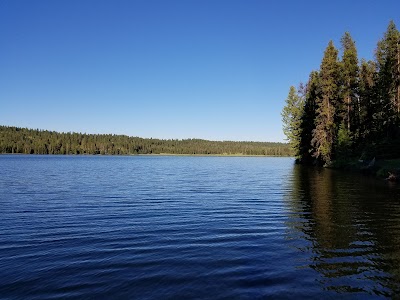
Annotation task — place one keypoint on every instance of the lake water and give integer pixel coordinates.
(145, 227)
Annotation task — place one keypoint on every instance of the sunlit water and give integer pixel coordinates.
(194, 228)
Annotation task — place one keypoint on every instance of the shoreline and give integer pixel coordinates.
(151, 154)
(383, 169)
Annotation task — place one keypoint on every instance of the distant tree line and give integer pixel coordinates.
(30, 141)
(348, 108)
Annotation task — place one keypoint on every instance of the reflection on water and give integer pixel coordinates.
(350, 227)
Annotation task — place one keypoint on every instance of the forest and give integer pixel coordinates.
(35, 141)
(349, 109)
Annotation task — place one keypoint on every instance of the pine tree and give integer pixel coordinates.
(388, 60)
(291, 118)
(349, 83)
(367, 101)
(353, 108)
(325, 132)
(307, 120)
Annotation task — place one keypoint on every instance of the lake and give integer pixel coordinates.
(170, 227)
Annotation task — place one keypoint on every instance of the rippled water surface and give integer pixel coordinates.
(194, 227)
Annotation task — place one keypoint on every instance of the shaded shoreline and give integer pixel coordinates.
(382, 169)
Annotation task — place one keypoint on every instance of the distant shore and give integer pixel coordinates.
(150, 154)
(36, 141)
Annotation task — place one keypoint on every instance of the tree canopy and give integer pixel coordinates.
(350, 108)
(35, 141)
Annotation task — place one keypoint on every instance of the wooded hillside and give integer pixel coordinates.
(29, 141)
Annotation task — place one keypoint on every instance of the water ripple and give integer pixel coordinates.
(193, 227)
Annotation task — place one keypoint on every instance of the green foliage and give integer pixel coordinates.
(324, 132)
(344, 141)
(352, 109)
(291, 118)
(349, 70)
(307, 119)
(388, 83)
(367, 101)
(29, 141)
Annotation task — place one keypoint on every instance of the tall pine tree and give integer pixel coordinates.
(368, 102)
(291, 118)
(351, 108)
(388, 59)
(307, 120)
(349, 84)
(324, 133)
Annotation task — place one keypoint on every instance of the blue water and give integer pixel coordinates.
(144, 227)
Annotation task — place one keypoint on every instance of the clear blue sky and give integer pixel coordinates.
(210, 69)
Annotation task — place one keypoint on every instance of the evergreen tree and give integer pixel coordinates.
(325, 131)
(367, 101)
(344, 142)
(307, 119)
(352, 109)
(388, 59)
(291, 118)
(349, 84)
